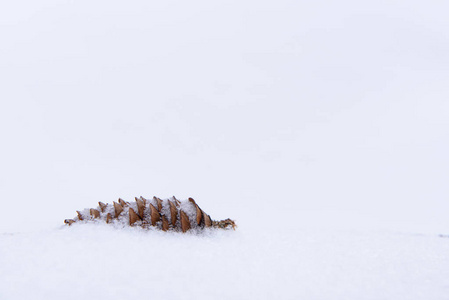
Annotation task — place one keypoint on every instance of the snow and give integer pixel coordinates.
(320, 127)
(97, 261)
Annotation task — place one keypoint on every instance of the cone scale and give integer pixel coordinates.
(167, 215)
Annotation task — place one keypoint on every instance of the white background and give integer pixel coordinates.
(331, 113)
(321, 127)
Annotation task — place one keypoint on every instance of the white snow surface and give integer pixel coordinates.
(97, 261)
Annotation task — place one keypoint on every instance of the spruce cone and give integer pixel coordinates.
(168, 214)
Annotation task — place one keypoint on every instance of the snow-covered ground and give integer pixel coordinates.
(321, 127)
(276, 262)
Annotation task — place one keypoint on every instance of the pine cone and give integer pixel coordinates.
(168, 214)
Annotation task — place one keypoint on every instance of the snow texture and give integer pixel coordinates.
(96, 261)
